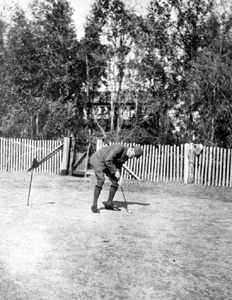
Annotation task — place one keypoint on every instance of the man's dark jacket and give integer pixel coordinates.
(110, 157)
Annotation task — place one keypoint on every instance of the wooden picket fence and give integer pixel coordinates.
(167, 163)
(161, 163)
(213, 167)
(18, 154)
(158, 163)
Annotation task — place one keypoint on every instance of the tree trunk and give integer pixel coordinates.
(212, 133)
(118, 128)
(37, 125)
(99, 126)
(32, 128)
(112, 111)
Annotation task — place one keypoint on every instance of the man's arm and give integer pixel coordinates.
(109, 161)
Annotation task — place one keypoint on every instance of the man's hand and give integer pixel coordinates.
(117, 174)
(120, 181)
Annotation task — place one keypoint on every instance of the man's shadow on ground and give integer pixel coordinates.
(125, 205)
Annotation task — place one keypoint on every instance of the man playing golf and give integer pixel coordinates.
(108, 161)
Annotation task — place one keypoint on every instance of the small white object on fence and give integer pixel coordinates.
(99, 144)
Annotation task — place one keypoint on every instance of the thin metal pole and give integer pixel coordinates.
(124, 199)
(28, 199)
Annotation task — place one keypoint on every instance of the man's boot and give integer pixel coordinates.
(109, 204)
(97, 192)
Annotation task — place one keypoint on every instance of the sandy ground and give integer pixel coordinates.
(175, 243)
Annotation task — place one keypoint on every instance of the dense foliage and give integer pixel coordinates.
(161, 77)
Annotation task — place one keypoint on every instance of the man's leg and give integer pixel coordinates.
(96, 194)
(97, 190)
(112, 192)
(113, 189)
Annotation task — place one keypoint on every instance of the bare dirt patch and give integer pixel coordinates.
(177, 247)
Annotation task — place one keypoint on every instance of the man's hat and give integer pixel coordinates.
(138, 151)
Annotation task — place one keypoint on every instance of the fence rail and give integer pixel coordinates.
(18, 154)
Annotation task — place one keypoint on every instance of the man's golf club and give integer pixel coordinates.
(125, 200)
(35, 164)
(29, 192)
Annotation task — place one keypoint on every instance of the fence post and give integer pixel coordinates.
(72, 151)
(65, 159)
(188, 163)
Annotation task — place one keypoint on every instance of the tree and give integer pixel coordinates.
(43, 68)
(17, 77)
(210, 88)
(61, 64)
(93, 54)
(170, 37)
(2, 73)
(113, 29)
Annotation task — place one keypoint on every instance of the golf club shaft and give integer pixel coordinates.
(124, 198)
(28, 199)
